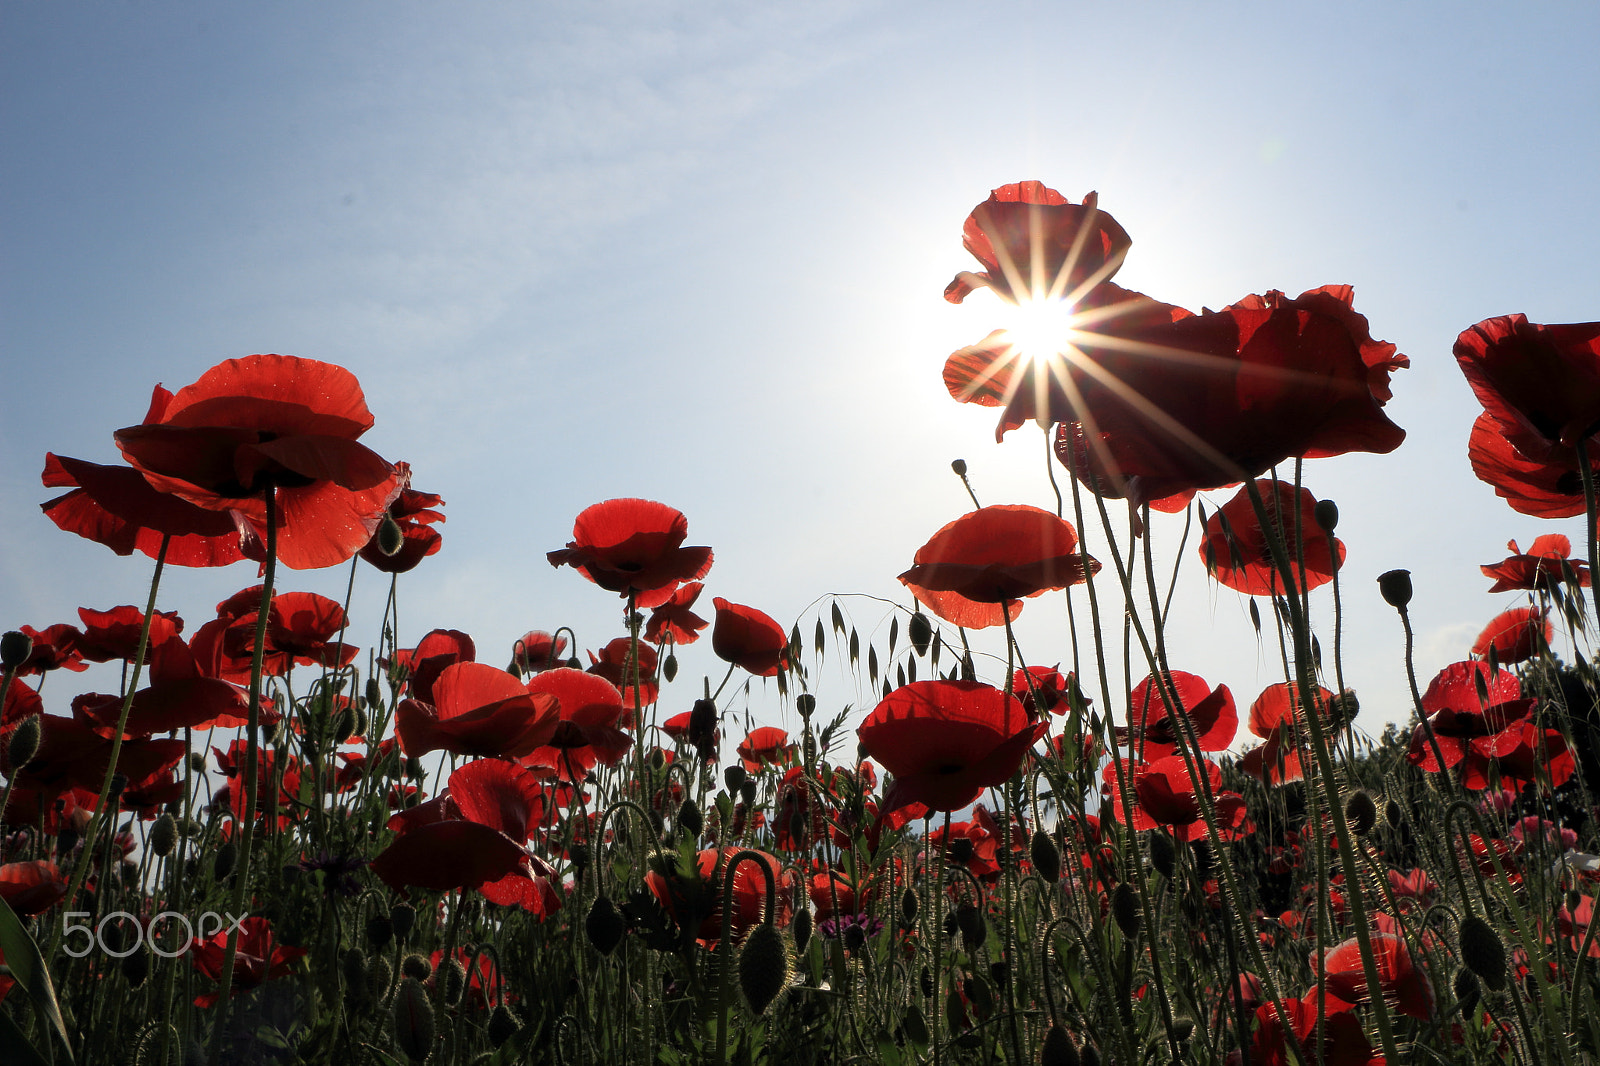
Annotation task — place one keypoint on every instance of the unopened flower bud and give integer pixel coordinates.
(800, 928)
(973, 928)
(380, 930)
(1125, 910)
(1058, 1050)
(1483, 951)
(763, 966)
(25, 742)
(354, 967)
(1045, 857)
(503, 1025)
(669, 667)
(747, 792)
(604, 925)
(163, 836)
(416, 966)
(959, 466)
(1396, 588)
(1163, 856)
(908, 907)
(1327, 515)
(197, 762)
(734, 777)
(413, 1020)
(455, 981)
(15, 648)
(402, 916)
(390, 537)
(136, 967)
(1467, 992)
(222, 866)
(1361, 812)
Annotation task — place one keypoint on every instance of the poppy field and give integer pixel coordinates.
(272, 845)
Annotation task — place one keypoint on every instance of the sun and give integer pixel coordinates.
(1041, 330)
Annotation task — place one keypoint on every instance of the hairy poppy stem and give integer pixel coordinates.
(1300, 630)
(241, 885)
(724, 945)
(100, 808)
(1589, 512)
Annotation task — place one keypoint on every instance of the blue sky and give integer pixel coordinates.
(694, 252)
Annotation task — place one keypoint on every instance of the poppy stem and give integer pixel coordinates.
(1589, 509)
(724, 943)
(100, 808)
(241, 884)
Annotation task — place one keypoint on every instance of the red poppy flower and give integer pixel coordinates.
(765, 744)
(1212, 399)
(1165, 796)
(749, 639)
(947, 741)
(1549, 489)
(1045, 688)
(300, 628)
(1545, 565)
(1151, 730)
(1278, 718)
(473, 838)
(1034, 243)
(674, 620)
(117, 507)
(537, 650)
(588, 728)
(634, 546)
(271, 424)
(258, 958)
(54, 648)
(423, 664)
(414, 513)
(1521, 753)
(1515, 635)
(72, 755)
(615, 664)
(31, 888)
(1466, 703)
(114, 634)
(1237, 550)
(283, 802)
(21, 701)
(179, 696)
(974, 571)
(477, 710)
(697, 899)
(1540, 383)
(1405, 986)
(1344, 1041)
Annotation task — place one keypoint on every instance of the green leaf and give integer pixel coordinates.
(15, 1047)
(27, 966)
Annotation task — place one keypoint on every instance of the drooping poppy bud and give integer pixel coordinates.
(1125, 910)
(25, 742)
(1058, 1050)
(763, 966)
(163, 836)
(1045, 857)
(1361, 812)
(413, 1020)
(1483, 952)
(604, 925)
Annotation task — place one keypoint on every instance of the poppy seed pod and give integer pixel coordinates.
(136, 967)
(806, 704)
(690, 818)
(959, 466)
(1058, 1049)
(1361, 812)
(1395, 585)
(702, 730)
(15, 647)
(1125, 910)
(413, 1020)
(1483, 952)
(25, 742)
(763, 966)
(1327, 515)
(855, 938)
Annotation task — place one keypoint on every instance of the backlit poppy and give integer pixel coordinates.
(588, 729)
(615, 663)
(477, 710)
(1343, 1040)
(271, 424)
(975, 570)
(117, 507)
(1152, 732)
(1237, 550)
(1405, 986)
(114, 634)
(537, 650)
(54, 648)
(1545, 565)
(764, 744)
(301, 627)
(1213, 398)
(1467, 703)
(1164, 795)
(423, 664)
(1515, 635)
(1278, 717)
(947, 741)
(674, 621)
(258, 958)
(1541, 384)
(413, 512)
(696, 900)
(1033, 242)
(749, 639)
(31, 888)
(632, 545)
(1548, 489)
